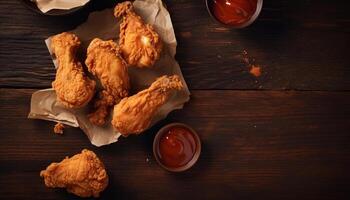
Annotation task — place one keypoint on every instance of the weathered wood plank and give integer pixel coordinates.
(300, 45)
(256, 145)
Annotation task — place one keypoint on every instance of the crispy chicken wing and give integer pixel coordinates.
(83, 174)
(73, 88)
(104, 61)
(140, 44)
(134, 114)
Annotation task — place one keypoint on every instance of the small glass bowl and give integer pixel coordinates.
(209, 4)
(156, 145)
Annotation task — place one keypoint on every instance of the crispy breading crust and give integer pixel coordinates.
(104, 61)
(134, 114)
(140, 44)
(73, 88)
(58, 128)
(83, 174)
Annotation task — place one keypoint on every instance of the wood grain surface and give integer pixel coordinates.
(281, 145)
(283, 135)
(301, 45)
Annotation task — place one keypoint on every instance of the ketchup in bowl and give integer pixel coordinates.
(176, 147)
(238, 13)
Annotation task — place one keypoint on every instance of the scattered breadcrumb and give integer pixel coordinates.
(255, 70)
(58, 129)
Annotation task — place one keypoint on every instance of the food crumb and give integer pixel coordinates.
(58, 129)
(255, 70)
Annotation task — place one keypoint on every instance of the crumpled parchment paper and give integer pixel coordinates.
(104, 25)
(47, 5)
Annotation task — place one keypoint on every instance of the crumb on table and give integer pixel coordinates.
(255, 70)
(58, 129)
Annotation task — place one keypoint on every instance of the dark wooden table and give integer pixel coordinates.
(283, 135)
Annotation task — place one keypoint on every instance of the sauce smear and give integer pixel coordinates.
(234, 12)
(176, 147)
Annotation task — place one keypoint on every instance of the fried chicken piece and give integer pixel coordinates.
(58, 128)
(104, 61)
(134, 114)
(140, 44)
(73, 88)
(83, 174)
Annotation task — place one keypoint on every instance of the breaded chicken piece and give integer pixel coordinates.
(73, 88)
(104, 61)
(134, 114)
(140, 44)
(83, 175)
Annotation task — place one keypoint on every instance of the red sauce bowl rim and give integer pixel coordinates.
(249, 22)
(195, 156)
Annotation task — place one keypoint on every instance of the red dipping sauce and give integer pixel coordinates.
(177, 146)
(234, 12)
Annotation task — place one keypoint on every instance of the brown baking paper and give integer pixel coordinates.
(47, 5)
(104, 25)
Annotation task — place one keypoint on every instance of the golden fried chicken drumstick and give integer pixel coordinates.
(140, 44)
(104, 61)
(134, 114)
(73, 88)
(83, 175)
